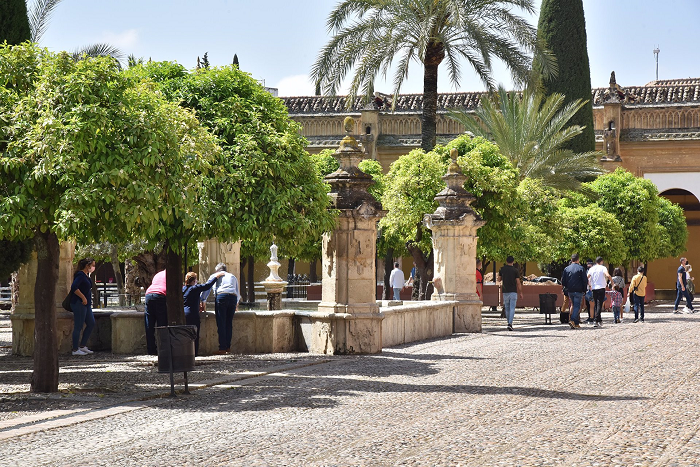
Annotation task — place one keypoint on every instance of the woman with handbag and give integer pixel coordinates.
(81, 304)
(637, 291)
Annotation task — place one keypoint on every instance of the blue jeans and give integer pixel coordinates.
(575, 298)
(82, 315)
(397, 293)
(224, 308)
(682, 293)
(156, 315)
(509, 299)
(616, 312)
(638, 307)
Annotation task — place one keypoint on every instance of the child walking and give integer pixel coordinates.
(616, 301)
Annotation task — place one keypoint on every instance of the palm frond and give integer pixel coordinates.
(99, 50)
(530, 130)
(39, 15)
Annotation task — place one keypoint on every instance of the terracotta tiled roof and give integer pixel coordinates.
(675, 82)
(666, 92)
(409, 103)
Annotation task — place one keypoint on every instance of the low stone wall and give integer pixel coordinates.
(23, 332)
(253, 332)
(122, 331)
(415, 321)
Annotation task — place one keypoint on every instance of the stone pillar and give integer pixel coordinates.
(23, 312)
(370, 130)
(349, 320)
(213, 252)
(454, 226)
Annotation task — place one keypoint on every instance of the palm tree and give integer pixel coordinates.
(39, 15)
(531, 131)
(368, 34)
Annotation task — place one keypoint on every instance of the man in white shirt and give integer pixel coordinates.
(396, 280)
(225, 306)
(598, 278)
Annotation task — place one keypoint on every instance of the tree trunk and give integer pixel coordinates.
(290, 266)
(173, 281)
(251, 279)
(114, 259)
(424, 267)
(243, 282)
(434, 55)
(388, 266)
(313, 275)
(45, 374)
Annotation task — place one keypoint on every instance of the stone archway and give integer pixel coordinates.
(684, 190)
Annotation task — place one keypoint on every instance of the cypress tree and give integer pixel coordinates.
(14, 23)
(562, 26)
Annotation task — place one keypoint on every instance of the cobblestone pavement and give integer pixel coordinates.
(622, 395)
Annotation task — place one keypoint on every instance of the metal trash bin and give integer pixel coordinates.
(548, 306)
(176, 348)
(176, 351)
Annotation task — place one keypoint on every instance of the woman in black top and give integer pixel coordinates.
(81, 304)
(190, 294)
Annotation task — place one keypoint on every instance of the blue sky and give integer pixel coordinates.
(278, 40)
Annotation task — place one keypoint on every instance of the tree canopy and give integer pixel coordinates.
(90, 154)
(14, 22)
(269, 188)
(562, 27)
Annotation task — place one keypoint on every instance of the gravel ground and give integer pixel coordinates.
(624, 395)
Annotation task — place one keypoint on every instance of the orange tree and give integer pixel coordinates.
(88, 154)
(270, 188)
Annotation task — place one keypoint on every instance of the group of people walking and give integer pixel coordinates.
(222, 283)
(594, 284)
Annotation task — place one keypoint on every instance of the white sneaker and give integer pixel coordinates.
(86, 350)
(79, 352)
(686, 310)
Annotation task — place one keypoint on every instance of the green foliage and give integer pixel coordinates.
(14, 23)
(590, 231)
(268, 188)
(634, 202)
(673, 229)
(14, 254)
(538, 227)
(93, 155)
(414, 180)
(493, 180)
(324, 162)
(531, 131)
(562, 27)
(411, 185)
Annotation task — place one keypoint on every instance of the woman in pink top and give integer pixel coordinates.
(156, 311)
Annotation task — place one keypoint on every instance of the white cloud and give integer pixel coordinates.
(297, 85)
(123, 40)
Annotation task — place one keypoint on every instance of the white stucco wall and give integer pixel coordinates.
(689, 181)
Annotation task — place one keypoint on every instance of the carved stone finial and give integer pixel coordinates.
(349, 124)
(613, 82)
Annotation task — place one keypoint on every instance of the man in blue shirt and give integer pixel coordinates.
(225, 306)
(575, 282)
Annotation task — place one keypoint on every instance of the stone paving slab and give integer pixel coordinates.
(545, 395)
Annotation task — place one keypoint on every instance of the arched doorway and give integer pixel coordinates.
(662, 272)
